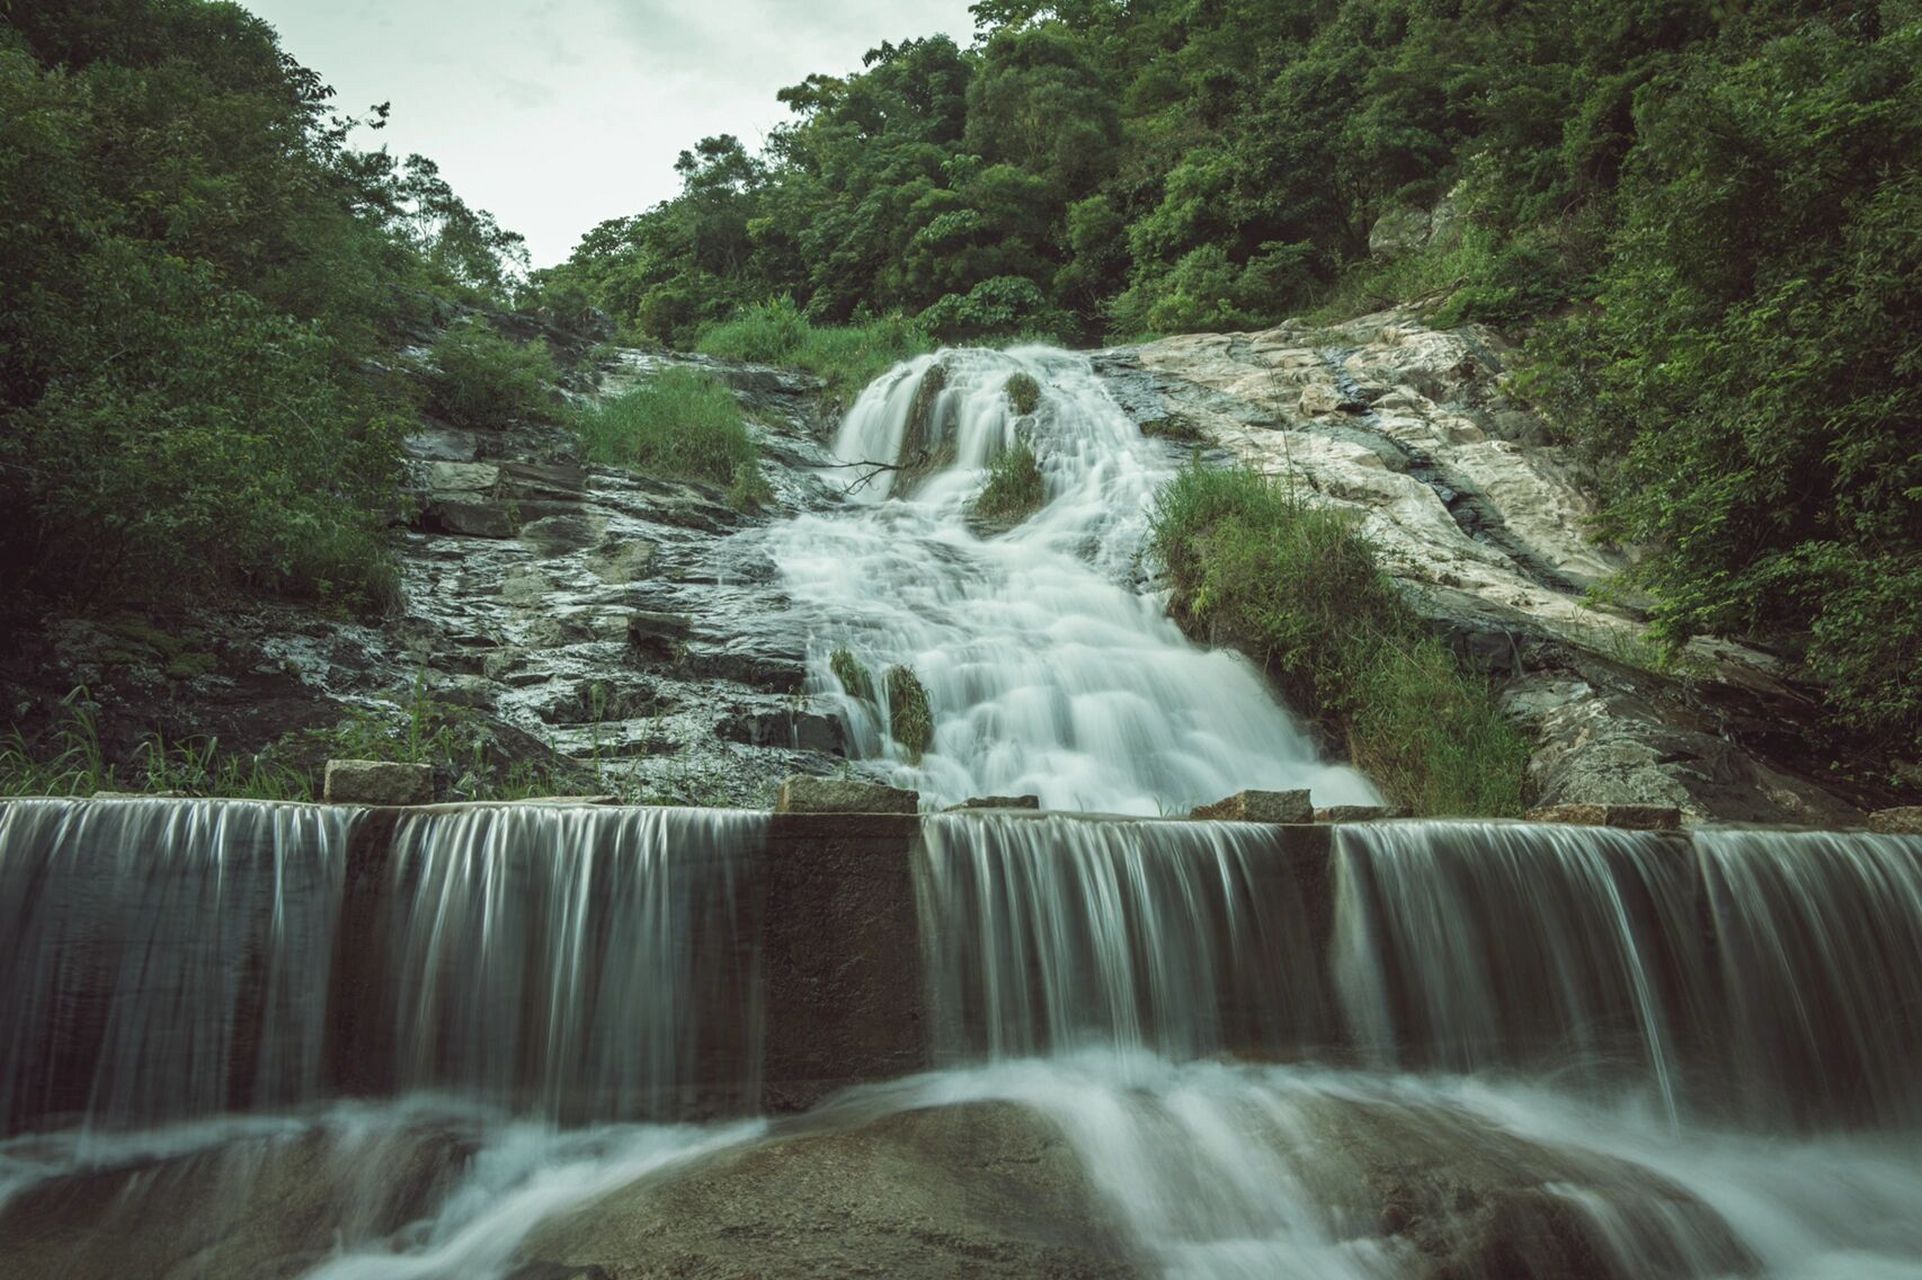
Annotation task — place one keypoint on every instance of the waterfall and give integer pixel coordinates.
(1049, 663)
(164, 959)
(580, 962)
(1050, 934)
(176, 959)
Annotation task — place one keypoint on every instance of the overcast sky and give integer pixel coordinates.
(557, 114)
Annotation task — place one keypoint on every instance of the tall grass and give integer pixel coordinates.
(846, 357)
(1015, 488)
(1301, 591)
(69, 761)
(681, 422)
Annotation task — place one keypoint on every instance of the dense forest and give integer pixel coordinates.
(1702, 219)
(1705, 216)
(203, 285)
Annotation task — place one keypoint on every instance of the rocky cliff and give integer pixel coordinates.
(1484, 521)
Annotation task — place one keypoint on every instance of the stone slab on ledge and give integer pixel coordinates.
(804, 794)
(995, 802)
(1904, 821)
(1632, 817)
(1358, 813)
(1259, 806)
(377, 782)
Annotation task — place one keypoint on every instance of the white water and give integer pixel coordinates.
(1050, 664)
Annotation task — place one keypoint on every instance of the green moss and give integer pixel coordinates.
(853, 676)
(1300, 590)
(910, 720)
(1024, 393)
(1015, 489)
(188, 665)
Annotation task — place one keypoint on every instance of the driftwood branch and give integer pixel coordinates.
(871, 469)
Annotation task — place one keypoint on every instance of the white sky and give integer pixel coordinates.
(557, 114)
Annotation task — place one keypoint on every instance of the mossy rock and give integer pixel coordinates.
(910, 719)
(1173, 426)
(927, 445)
(1015, 489)
(1024, 393)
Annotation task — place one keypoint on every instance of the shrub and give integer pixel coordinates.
(846, 357)
(910, 720)
(1015, 489)
(477, 378)
(999, 307)
(682, 422)
(1301, 591)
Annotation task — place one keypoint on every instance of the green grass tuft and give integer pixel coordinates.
(682, 422)
(853, 676)
(1300, 590)
(1024, 393)
(846, 357)
(910, 720)
(1015, 489)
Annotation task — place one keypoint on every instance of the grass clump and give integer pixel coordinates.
(853, 676)
(846, 357)
(682, 423)
(1024, 393)
(1300, 590)
(70, 761)
(1015, 489)
(910, 720)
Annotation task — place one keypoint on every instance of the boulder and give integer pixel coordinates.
(1399, 232)
(980, 1189)
(1633, 817)
(1259, 806)
(804, 794)
(1905, 821)
(377, 782)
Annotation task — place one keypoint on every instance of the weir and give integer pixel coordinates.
(179, 959)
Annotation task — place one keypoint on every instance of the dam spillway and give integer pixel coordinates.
(509, 993)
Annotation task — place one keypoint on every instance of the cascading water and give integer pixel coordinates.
(1050, 666)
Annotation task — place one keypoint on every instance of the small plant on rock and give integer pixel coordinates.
(1024, 393)
(909, 718)
(853, 676)
(1015, 488)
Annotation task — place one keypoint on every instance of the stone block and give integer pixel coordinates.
(1259, 806)
(804, 794)
(379, 782)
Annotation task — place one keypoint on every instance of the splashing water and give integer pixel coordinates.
(1050, 665)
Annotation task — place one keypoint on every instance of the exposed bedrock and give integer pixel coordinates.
(1483, 520)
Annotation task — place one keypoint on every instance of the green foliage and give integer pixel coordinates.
(1024, 393)
(203, 284)
(910, 720)
(1301, 591)
(478, 378)
(854, 677)
(681, 422)
(1752, 374)
(1015, 488)
(846, 356)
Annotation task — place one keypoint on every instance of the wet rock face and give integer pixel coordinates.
(1483, 521)
(978, 1189)
(624, 631)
